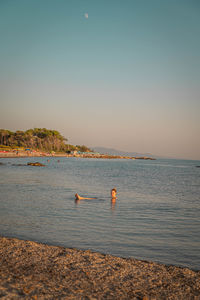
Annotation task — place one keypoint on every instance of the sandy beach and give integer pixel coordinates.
(30, 270)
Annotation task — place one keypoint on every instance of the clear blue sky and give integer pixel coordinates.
(127, 75)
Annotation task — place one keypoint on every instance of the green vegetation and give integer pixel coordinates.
(38, 139)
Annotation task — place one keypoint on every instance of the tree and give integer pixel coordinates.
(38, 138)
(83, 148)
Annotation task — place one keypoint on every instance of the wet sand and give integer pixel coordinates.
(29, 270)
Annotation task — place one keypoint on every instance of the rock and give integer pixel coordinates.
(37, 164)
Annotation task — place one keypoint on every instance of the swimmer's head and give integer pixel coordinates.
(113, 193)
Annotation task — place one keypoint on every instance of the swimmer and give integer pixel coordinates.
(113, 198)
(77, 197)
(113, 193)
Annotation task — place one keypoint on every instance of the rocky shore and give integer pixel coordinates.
(100, 156)
(29, 270)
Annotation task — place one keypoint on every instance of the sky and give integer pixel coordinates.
(121, 74)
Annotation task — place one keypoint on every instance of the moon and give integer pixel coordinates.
(86, 15)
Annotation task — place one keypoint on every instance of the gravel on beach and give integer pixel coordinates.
(30, 270)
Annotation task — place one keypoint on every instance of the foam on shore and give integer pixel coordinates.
(37, 271)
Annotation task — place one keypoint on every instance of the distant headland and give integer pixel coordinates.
(44, 142)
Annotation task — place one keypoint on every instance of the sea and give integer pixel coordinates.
(156, 216)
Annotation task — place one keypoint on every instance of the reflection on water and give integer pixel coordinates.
(156, 215)
(113, 203)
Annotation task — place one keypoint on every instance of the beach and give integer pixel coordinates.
(31, 270)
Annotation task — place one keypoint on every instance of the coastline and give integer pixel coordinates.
(32, 270)
(41, 154)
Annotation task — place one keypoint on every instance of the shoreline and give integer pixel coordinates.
(32, 270)
(10, 154)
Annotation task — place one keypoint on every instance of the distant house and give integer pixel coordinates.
(75, 152)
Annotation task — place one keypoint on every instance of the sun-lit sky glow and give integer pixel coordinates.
(119, 74)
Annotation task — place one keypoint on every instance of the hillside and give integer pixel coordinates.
(39, 139)
(111, 151)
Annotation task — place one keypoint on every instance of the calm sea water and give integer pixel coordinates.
(156, 215)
